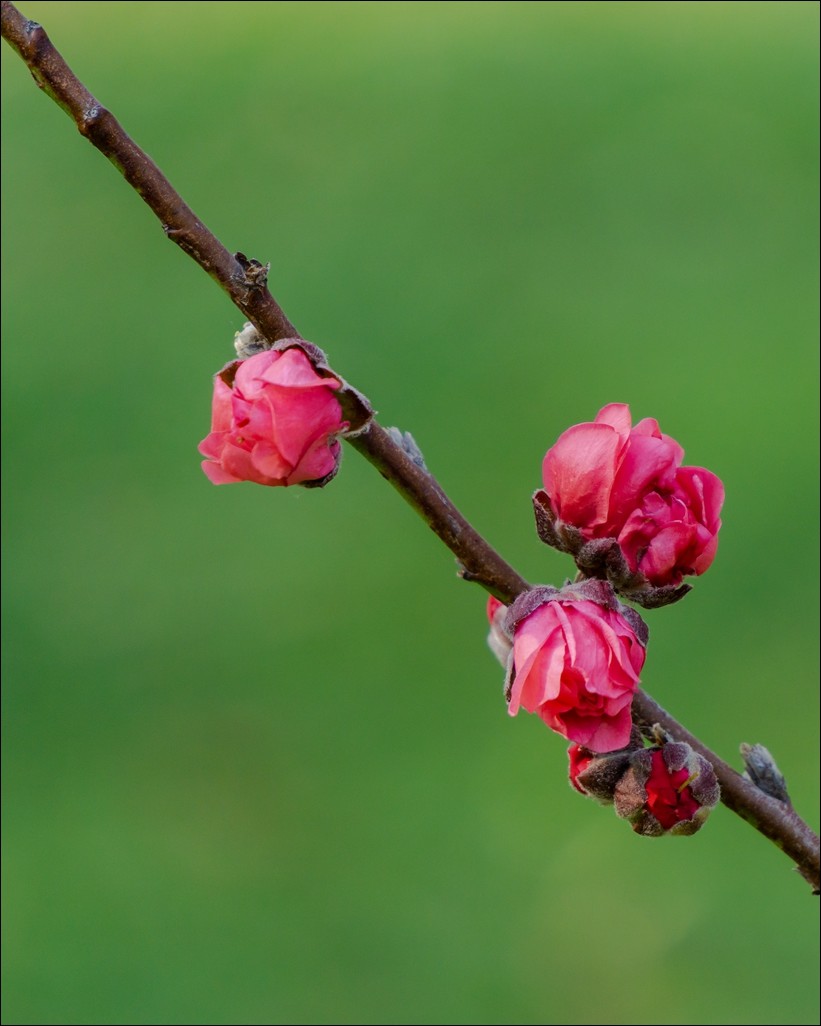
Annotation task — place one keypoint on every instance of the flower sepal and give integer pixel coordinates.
(589, 590)
(596, 776)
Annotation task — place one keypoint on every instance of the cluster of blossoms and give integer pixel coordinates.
(636, 522)
(615, 496)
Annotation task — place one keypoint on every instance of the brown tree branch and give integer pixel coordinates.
(479, 561)
(245, 283)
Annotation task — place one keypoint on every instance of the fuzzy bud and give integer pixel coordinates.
(668, 789)
(596, 776)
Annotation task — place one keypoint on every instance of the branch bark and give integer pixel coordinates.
(245, 283)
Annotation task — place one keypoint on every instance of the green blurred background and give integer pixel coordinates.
(258, 765)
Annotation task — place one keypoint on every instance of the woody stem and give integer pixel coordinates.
(247, 289)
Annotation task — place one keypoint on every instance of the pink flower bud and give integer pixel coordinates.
(668, 789)
(608, 480)
(577, 655)
(274, 420)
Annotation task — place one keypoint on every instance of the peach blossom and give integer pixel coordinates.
(274, 421)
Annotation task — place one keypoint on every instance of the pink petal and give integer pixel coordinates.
(544, 680)
(617, 416)
(295, 370)
(665, 557)
(648, 426)
(216, 475)
(612, 733)
(531, 634)
(706, 493)
(647, 462)
(492, 605)
(269, 462)
(317, 462)
(221, 406)
(239, 462)
(252, 420)
(301, 417)
(249, 380)
(703, 561)
(213, 444)
(579, 471)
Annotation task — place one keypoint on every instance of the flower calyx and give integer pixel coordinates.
(601, 558)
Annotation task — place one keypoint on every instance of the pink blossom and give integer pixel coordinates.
(607, 479)
(576, 662)
(274, 420)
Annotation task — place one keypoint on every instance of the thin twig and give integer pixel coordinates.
(245, 284)
(479, 561)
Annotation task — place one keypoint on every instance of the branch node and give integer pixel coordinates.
(255, 274)
(36, 34)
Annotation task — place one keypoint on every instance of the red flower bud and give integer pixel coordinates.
(596, 776)
(668, 789)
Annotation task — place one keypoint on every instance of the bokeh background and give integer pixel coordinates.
(258, 765)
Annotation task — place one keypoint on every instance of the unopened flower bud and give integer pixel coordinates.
(596, 776)
(761, 768)
(668, 789)
(249, 342)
